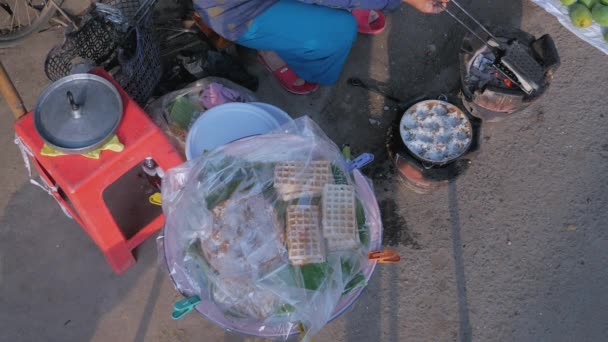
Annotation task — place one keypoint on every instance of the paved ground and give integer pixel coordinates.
(515, 250)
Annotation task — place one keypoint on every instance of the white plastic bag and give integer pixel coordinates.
(191, 105)
(237, 216)
(592, 35)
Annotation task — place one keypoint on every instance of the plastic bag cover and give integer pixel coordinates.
(188, 99)
(592, 34)
(271, 232)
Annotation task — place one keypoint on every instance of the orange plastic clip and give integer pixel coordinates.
(387, 256)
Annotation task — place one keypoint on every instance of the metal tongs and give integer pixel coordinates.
(492, 44)
(513, 59)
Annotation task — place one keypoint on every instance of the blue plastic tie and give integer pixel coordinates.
(360, 161)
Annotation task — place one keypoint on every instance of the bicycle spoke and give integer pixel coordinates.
(29, 22)
(17, 20)
(9, 11)
(7, 8)
(36, 10)
(13, 16)
(40, 7)
(3, 23)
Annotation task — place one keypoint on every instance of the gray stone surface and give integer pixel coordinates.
(515, 250)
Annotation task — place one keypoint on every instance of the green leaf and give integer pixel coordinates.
(285, 309)
(233, 314)
(220, 195)
(362, 224)
(182, 111)
(351, 275)
(349, 266)
(196, 252)
(313, 275)
(339, 176)
(357, 281)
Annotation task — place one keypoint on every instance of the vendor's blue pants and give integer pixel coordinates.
(313, 40)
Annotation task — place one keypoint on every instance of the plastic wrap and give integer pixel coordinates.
(175, 112)
(592, 34)
(271, 232)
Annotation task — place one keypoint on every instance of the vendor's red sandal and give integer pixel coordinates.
(367, 26)
(287, 78)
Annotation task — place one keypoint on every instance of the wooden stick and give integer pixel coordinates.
(10, 94)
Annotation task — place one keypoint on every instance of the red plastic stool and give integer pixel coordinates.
(108, 197)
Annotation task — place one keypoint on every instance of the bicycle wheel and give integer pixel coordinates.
(20, 18)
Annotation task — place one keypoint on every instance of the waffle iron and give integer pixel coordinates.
(514, 59)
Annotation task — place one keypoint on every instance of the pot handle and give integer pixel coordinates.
(427, 165)
(545, 49)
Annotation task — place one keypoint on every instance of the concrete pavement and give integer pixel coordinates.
(515, 250)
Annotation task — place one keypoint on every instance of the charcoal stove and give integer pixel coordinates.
(490, 95)
(486, 95)
(502, 71)
(421, 176)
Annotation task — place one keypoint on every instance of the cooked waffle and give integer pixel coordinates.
(294, 179)
(304, 238)
(339, 217)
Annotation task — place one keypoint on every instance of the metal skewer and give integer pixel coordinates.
(475, 20)
(467, 27)
(512, 60)
(473, 32)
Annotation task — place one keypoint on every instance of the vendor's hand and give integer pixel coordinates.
(428, 6)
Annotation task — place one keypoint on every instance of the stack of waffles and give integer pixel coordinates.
(296, 179)
(314, 230)
(339, 217)
(304, 239)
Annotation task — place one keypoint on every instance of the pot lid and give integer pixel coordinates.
(78, 112)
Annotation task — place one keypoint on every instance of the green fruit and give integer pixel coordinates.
(588, 3)
(570, 2)
(580, 16)
(600, 14)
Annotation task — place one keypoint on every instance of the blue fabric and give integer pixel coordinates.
(231, 18)
(314, 41)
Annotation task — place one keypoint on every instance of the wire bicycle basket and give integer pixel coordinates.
(119, 36)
